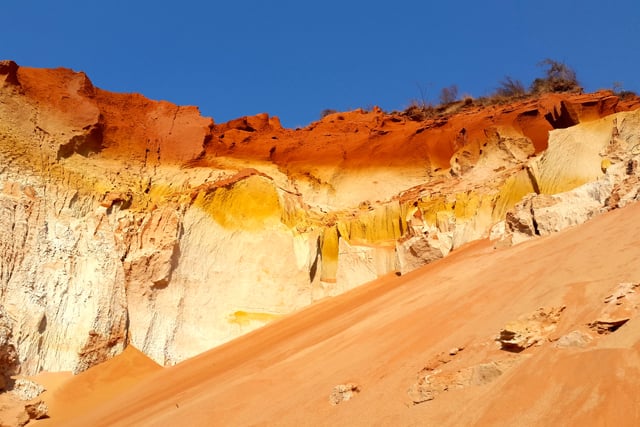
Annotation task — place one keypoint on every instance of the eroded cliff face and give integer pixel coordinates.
(130, 221)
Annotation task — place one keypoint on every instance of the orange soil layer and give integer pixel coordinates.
(361, 139)
(132, 127)
(382, 334)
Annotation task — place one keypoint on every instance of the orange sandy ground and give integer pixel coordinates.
(380, 336)
(70, 396)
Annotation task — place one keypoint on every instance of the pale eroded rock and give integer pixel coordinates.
(574, 339)
(25, 389)
(37, 410)
(530, 329)
(8, 356)
(619, 308)
(343, 392)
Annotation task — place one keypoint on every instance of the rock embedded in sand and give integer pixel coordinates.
(603, 327)
(418, 393)
(25, 389)
(574, 339)
(485, 373)
(530, 329)
(37, 410)
(619, 307)
(343, 392)
(433, 382)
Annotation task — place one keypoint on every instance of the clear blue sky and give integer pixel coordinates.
(295, 58)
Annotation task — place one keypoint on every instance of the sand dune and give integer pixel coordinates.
(382, 335)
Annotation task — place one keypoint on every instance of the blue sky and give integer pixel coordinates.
(293, 59)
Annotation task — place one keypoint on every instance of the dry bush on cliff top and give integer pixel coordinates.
(326, 112)
(449, 94)
(418, 111)
(510, 88)
(622, 93)
(559, 77)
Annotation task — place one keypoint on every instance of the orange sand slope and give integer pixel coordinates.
(88, 389)
(421, 349)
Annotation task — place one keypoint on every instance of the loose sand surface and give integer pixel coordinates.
(387, 335)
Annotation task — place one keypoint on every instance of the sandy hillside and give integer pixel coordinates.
(385, 337)
(384, 250)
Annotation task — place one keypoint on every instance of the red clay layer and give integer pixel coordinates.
(132, 127)
(360, 139)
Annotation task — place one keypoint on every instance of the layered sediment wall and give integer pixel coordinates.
(127, 221)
